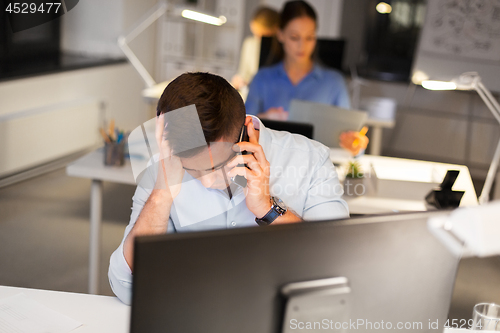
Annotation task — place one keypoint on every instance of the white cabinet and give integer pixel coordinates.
(186, 45)
(173, 44)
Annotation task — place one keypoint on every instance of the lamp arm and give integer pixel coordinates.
(149, 18)
(485, 193)
(489, 99)
(494, 107)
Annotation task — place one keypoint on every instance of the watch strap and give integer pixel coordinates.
(275, 212)
(269, 218)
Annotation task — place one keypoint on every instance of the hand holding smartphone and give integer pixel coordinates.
(240, 180)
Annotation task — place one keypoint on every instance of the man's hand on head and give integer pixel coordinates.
(257, 171)
(170, 171)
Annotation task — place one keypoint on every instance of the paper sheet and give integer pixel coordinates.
(21, 314)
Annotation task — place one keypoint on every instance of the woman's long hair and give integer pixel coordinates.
(291, 10)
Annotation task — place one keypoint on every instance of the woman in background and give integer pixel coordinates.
(297, 76)
(264, 24)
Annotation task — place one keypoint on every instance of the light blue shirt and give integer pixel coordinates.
(271, 87)
(302, 175)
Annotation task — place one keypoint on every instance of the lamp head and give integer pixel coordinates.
(466, 81)
(194, 13)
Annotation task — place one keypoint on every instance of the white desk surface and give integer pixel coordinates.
(406, 176)
(99, 314)
(92, 166)
(409, 172)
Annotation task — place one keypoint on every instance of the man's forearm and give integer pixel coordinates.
(153, 220)
(288, 217)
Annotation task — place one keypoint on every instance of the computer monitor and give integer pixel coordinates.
(370, 271)
(304, 129)
(329, 52)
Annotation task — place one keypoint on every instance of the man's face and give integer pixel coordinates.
(210, 166)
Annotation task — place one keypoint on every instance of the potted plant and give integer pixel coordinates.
(354, 180)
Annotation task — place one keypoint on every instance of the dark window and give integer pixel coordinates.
(391, 39)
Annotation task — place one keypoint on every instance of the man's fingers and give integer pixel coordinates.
(253, 148)
(252, 135)
(241, 171)
(249, 160)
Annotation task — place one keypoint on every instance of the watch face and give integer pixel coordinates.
(280, 204)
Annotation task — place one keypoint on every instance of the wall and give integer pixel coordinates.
(93, 27)
(117, 86)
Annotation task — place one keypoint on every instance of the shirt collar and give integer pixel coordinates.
(316, 72)
(264, 134)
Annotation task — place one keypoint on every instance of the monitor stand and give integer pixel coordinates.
(317, 305)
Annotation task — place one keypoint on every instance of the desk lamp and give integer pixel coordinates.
(472, 81)
(470, 231)
(154, 90)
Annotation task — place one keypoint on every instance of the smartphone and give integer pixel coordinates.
(240, 180)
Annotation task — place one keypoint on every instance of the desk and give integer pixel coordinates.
(402, 183)
(391, 196)
(92, 166)
(99, 314)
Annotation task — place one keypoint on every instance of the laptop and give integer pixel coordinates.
(328, 121)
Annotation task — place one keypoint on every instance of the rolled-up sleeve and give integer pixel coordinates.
(324, 197)
(119, 273)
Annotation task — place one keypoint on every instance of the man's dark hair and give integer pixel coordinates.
(220, 109)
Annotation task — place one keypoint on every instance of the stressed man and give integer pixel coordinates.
(195, 183)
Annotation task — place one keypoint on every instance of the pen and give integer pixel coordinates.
(112, 130)
(104, 135)
(119, 137)
(363, 132)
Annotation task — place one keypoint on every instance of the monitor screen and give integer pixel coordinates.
(329, 52)
(365, 273)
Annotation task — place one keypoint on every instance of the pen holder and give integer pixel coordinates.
(114, 153)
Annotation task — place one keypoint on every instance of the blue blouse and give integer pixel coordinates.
(271, 87)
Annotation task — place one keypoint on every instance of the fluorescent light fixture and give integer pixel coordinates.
(191, 14)
(160, 9)
(383, 8)
(439, 85)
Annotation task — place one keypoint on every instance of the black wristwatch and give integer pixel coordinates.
(278, 208)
